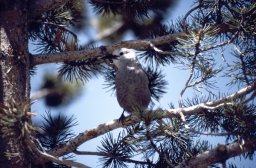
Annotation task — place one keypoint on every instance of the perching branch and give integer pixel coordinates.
(90, 134)
(220, 153)
(87, 135)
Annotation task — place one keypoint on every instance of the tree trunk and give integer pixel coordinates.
(14, 78)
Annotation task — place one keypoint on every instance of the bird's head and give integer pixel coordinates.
(123, 56)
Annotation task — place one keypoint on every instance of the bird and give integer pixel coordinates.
(131, 81)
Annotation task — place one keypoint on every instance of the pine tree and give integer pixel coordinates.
(164, 137)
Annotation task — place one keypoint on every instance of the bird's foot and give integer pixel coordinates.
(122, 118)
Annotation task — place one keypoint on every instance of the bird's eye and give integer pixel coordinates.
(121, 53)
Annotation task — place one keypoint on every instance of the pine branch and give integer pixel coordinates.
(220, 153)
(90, 134)
(130, 120)
(49, 157)
(101, 51)
(40, 6)
(97, 52)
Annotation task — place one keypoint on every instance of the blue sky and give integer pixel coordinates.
(96, 105)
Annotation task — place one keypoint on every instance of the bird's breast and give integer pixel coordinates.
(132, 88)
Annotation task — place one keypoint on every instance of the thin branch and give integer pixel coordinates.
(90, 134)
(242, 92)
(154, 146)
(188, 80)
(158, 50)
(241, 57)
(197, 43)
(59, 26)
(184, 20)
(60, 161)
(43, 155)
(220, 44)
(252, 97)
(209, 133)
(40, 94)
(87, 135)
(218, 154)
(192, 110)
(37, 7)
(99, 52)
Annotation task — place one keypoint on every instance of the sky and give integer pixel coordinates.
(97, 105)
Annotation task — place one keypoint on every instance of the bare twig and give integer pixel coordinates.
(209, 133)
(40, 94)
(182, 116)
(156, 49)
(220, 44)
(184, 20)
(241, 56)
(188, 80)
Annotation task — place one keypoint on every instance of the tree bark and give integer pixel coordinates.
(14, 78)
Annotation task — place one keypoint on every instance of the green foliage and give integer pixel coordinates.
(139, 17)
(235, 121)
(157, 84)
(154, 57)
(83, 70)
(166, 140)
(116, 149)
(51, 30)
(56, 130)
(131, 9)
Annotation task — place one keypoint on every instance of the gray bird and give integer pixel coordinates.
(131, 81)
